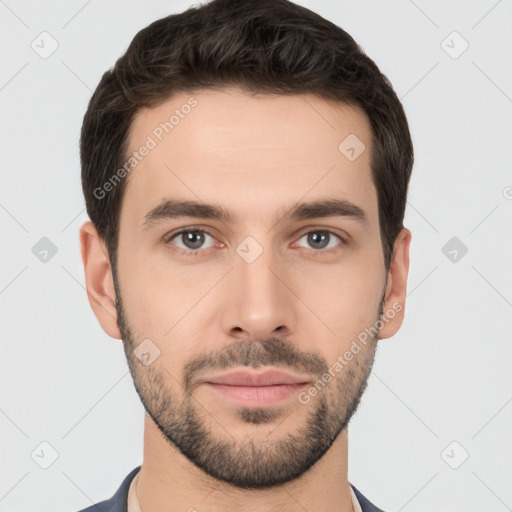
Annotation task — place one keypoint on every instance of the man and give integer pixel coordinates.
(245, 168)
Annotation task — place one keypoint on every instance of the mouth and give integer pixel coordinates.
(257, 389)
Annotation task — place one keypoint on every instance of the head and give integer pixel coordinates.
(245, 168)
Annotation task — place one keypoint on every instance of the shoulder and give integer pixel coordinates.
(366, 504)
(118, 501)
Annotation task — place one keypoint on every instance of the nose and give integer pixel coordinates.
(258, 299)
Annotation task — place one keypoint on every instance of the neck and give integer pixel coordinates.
(168, 481)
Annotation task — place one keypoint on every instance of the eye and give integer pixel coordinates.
(321, 239)
(192, 240)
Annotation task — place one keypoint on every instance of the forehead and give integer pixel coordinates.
(251, 154)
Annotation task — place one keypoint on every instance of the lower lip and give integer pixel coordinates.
(257, 396)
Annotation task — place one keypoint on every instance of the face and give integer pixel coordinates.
(277, 266)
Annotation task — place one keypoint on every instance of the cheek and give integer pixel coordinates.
(346, 299)
(145, 299)
(163, 302)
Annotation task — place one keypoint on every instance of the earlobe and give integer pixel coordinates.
(98, 279)
(396, 290)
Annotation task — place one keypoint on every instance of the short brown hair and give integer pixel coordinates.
(264, 46)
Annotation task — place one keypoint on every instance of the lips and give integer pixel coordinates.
(250, 389)
(250, 379)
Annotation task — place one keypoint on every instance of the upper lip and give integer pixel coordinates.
(266, 378)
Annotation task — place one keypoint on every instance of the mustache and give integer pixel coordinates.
(275, 351)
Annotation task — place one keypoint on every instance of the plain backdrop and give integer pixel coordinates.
(434, 429)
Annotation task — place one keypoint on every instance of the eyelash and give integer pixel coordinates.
(195, 253)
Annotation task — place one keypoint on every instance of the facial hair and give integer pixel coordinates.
(249, 464)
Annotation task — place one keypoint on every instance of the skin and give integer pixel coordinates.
(257, 157)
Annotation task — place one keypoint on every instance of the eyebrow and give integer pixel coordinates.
(176, 209)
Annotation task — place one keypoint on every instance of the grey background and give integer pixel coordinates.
(444, 378)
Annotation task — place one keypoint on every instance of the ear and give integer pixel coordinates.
(394, 299)
(98, 279)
